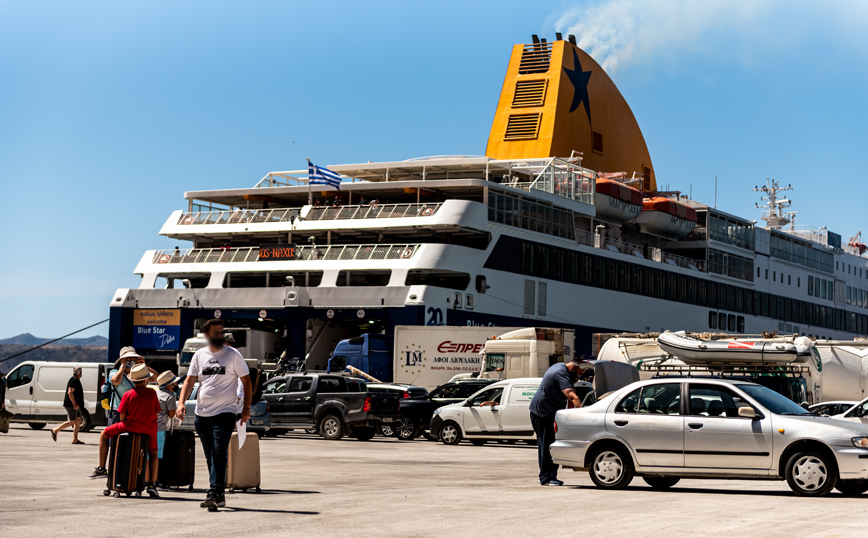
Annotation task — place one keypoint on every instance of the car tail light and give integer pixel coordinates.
(406, 394)
(367, 406)
(556, 427)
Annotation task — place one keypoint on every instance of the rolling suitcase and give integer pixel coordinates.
(178, 466)
(128, 460)
(242, 472)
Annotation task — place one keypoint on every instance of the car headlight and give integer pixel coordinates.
(437, 412)
(860, 442)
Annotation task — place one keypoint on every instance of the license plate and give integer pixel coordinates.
(257, 422)
(387, 419)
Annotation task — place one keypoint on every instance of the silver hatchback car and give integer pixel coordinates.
(667, 429)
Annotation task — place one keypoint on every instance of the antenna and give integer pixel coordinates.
(773, 213)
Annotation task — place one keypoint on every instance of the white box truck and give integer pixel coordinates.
(527, 352)
(430, 356)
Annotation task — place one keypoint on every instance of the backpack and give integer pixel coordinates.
(256, 382)
(105, 395)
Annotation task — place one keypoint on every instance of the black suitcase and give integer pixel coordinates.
(128, 460)
(177, 468)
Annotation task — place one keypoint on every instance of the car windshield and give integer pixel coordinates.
(773, 401)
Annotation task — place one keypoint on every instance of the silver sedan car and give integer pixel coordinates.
(667, 429)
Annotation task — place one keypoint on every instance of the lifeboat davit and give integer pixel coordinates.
(693, 351)
(617, 202)
(665, 217)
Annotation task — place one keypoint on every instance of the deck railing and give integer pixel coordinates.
(303, 252)
(349, 212)
(375, 211)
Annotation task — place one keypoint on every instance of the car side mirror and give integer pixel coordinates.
(747, 412)
(468, 403)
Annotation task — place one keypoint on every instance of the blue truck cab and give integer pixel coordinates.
(370, 353)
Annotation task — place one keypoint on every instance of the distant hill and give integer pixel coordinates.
(51, 353)
(27, 339)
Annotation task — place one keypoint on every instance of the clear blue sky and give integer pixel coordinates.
(109, 111)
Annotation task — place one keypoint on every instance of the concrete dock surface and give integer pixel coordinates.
(387, 487)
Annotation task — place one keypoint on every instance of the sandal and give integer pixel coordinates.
(77, 442)
(54, 435)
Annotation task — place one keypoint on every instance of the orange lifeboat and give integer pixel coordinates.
(617, 202)
(665, 217)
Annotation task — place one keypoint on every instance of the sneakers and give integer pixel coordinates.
(209, 497)
(152, 491)
(99, 472)
(214, 501)
(552, 483)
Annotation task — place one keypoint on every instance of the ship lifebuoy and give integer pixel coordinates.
(188, 220)
(164, 258)
(427, 212)
(407, 252)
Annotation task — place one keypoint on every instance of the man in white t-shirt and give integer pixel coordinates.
(218, 369)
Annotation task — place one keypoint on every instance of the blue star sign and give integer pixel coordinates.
(580, 80)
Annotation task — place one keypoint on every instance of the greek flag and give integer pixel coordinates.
(318, 175)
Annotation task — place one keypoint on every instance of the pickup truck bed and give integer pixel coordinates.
(334, 405)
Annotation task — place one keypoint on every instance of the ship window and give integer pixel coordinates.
(294, 278)
(721, 321)
(740, 324)
(366, 277)
(542, 299)
(731, 323)
(529, 297)
(712, 320)
(789, 280)
(453, 280)
(767, 274)
(597, 142)
(199, 280)
(757, 272)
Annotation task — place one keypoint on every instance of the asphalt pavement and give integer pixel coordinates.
(387, 487)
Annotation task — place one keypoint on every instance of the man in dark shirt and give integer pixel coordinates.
(555, 390)
(72, 402)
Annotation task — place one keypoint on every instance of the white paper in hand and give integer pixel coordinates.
(242, 433)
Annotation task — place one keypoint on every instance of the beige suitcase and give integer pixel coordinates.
(242, 472)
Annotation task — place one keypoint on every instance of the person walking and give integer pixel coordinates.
(120, 382)
(72, 402)
(555, 390)
(218, 369)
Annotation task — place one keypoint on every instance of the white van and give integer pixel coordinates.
(35, 392)
(507, 419)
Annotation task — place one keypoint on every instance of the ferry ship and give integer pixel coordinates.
(560, 224)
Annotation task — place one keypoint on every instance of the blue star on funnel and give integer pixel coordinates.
(580, 80)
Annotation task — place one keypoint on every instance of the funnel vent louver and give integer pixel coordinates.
(522, 126)
(529, 93)
(535, 58)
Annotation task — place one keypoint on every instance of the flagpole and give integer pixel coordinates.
(309, 188)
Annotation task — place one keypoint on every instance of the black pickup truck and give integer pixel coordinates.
(334, 405)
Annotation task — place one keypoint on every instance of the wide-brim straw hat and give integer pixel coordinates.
(167, 378)
(128, 352)
(139, 373)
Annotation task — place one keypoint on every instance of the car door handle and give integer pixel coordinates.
(621, 423)
(694, 425)
(31, 391)
(280, 399)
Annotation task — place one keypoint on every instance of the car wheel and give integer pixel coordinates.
(86, 421)
(611, 468)
(450, 433)
(364, 433)
(387, 431)
(852, 487)
(477, 442)
(406, 429)
(36, 425)
(331, 427)
(811, 474)
(661, 482)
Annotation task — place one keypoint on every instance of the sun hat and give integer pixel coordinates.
(166, 378)
(128, 352)
(139, 373)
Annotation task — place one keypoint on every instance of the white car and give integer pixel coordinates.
(832, 408)
(500, 411)
(858, 412)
